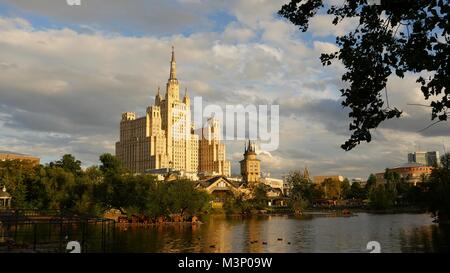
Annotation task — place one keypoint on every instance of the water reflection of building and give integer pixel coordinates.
(218, 236)
(254, 241)
(419, 239)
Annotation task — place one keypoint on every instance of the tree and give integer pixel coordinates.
(300, 185)
(15, 175)
(114, 192)
(382, 196)
(371, 182)
(63, 185)
(403, 189)
(69, 163)
(445, 161)
(301, 190)
(332, 188)
(83, 196)
(392, 177)
(59, 185)
(345, 189)
(181, 197)
(438, 190)
(237, 205)
(111, 165)
(356, 191)
(395, 37)
(143, 196)
(260, 196)
(94, 174)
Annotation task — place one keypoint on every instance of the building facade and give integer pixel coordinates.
(8, 156)
(165, 137)
(425, 158)
(433, 158)
(250, 166)
(220, 188)
(321, 178)
(212, 152)
(412, 173)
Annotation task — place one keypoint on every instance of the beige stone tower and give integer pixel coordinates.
(142, 143)
(176, 122)
(250, 166)
(165, 137)
(212, 153)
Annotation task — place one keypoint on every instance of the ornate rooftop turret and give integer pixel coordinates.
(158, 97)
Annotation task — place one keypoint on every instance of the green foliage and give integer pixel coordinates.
(68, 163)
(181, 197)
(445, 161)
(371, 181)
(332, 188)
(390, 38)
(302, 191)
(357, 192)
(259, 199)
(16, 176)
(237, 205)
(111, 165)
(63, 185)
(382, 196)
(345, 189)
(438, 189)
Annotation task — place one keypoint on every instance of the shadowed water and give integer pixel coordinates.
(312, 233)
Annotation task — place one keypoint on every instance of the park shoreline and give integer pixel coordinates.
(337, 212)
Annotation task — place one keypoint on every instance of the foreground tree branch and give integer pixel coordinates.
(376, 48)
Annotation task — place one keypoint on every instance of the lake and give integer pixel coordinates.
(312, 233)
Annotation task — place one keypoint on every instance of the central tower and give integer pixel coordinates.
(173, 87)
(165, 137)
(176, 122)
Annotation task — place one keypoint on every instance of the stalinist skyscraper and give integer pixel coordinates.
(164, 137)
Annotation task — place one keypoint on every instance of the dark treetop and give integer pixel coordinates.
(396, 36)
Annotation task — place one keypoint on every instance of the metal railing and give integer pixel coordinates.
(51, 230)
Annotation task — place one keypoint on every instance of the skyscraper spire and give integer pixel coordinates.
(306, 172)
(173, 54)
(158, 97)
(173, 66)
(186, 98)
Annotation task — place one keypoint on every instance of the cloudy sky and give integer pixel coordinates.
(67, 73)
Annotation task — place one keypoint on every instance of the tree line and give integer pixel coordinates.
(430, 193)
(63, 185)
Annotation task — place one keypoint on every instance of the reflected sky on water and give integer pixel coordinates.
(312, 233)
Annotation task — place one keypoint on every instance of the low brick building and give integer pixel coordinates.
(6, 156)
(413, 172)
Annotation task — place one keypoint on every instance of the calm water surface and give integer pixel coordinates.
(312, 233)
